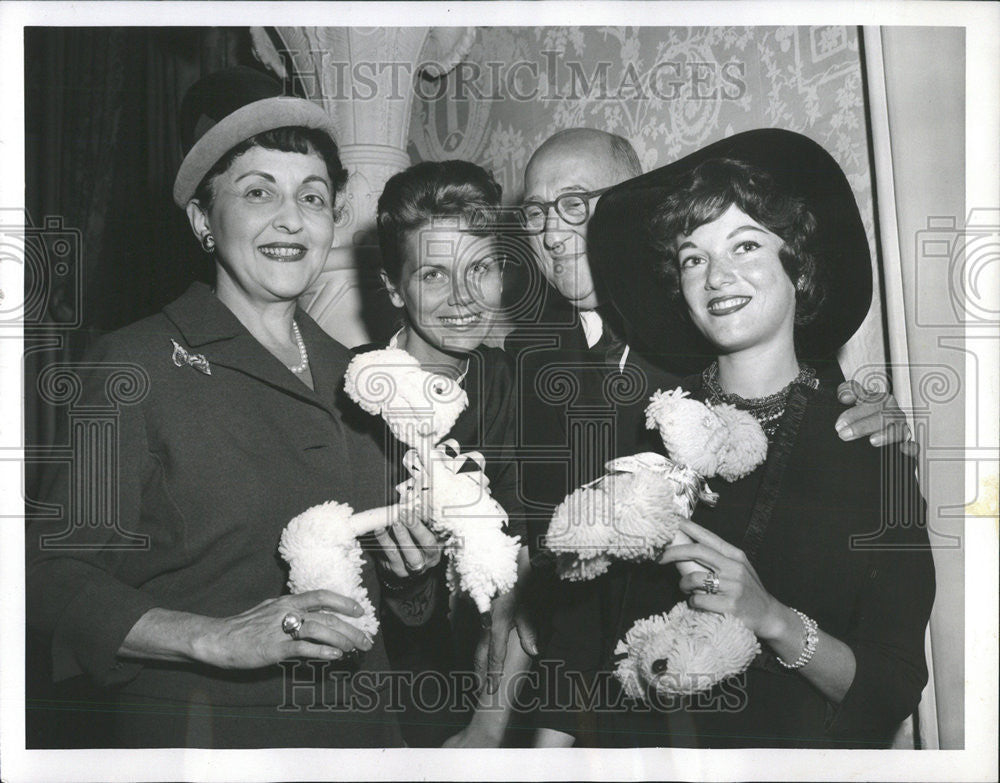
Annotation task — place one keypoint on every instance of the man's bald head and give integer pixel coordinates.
(609, 155)
(577, 160)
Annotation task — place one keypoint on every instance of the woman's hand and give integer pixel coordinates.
(255, 638)
(740, 591)
(409, 547)
(507, 611)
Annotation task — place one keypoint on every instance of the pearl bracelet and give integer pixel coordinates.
(808, 644)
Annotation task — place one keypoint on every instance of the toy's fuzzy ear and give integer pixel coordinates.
(711, 440)
(418, 406)
(745, 446)
(373, 378)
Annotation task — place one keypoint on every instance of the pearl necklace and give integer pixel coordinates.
(303, 364)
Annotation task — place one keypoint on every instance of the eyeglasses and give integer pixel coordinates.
(573, 207)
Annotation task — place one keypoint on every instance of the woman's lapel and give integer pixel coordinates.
(207, 327)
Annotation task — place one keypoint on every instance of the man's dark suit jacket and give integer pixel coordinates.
(578, 408)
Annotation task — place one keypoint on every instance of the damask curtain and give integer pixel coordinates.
(669, 91)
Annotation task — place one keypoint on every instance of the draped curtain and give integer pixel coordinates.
(101, 152)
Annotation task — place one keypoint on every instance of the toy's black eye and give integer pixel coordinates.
(659, 666)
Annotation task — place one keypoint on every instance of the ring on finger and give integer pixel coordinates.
(418, 569)
(711, 583)
(291, 624)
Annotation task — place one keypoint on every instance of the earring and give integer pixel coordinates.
(208, 243)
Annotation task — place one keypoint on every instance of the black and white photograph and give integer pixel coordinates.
(437, 391)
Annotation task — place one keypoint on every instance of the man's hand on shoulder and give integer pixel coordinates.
(873, 415)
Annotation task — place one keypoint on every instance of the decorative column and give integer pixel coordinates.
(364, 78)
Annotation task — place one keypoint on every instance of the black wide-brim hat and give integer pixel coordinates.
(227, 107)
(622, 253)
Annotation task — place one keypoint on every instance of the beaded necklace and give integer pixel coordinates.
(766, 410)
(303, 364)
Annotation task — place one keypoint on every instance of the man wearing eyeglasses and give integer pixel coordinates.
(570, 421)
(562, 183)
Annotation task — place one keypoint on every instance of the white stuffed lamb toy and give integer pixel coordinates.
(420, 408)
(632, 513)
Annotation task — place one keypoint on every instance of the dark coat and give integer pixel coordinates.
(209, 470)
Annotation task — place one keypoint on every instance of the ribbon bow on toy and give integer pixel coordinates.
(457, 501)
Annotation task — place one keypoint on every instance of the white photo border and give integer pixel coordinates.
(977, 762)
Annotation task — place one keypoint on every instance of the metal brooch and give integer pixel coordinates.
(196, 360)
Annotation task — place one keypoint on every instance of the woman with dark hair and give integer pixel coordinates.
(442, 265)
(822, 551)
(174, 597)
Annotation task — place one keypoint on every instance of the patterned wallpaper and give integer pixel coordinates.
(668, 90)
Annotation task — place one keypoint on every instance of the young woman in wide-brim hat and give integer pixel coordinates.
(753, 249)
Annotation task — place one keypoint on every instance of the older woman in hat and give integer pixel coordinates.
(822, 551)
(176, 601)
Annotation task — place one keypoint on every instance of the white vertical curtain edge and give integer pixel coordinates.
(892, 267)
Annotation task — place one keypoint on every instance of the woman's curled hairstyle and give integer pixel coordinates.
(430, 190)
(708, 190)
